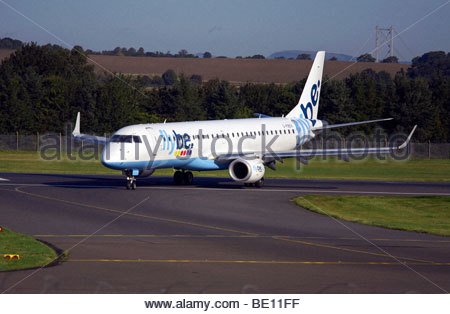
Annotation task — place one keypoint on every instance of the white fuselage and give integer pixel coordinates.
(195, 145)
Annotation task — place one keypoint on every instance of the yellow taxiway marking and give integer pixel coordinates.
(17, 189)
(352, 250)
(101, 260)
(256, 236)
(127, 236)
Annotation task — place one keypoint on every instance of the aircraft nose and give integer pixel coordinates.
(106, 156)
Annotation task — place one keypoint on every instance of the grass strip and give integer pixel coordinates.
(420, 170)
(429, 214)
(32, 252)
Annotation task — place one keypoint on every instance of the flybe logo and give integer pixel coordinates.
(308, 110)
(181, 144)
(258, 168)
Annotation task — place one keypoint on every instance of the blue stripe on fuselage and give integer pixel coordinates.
(305, 130)
(297, 126)
(196, 164)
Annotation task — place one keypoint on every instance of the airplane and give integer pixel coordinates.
(243, 146)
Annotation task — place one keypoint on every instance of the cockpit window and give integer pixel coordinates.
(122, 139)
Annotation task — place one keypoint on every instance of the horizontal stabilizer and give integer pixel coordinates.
(260, 115)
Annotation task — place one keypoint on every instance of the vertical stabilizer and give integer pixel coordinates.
(308, 106)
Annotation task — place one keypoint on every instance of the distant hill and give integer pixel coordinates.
(294, 53)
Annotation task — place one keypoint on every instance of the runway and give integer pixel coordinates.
(214, 237)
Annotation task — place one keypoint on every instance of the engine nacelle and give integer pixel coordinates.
(145, 173)
(246, 171)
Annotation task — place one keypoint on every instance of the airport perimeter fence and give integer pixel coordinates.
(63, 143)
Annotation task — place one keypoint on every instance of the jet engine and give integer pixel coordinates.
(247, 171)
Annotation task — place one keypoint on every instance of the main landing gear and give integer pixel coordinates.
(182, 177)
(131, 180)
(257, 184)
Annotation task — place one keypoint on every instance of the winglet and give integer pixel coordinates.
(76, 130)
(408, 139)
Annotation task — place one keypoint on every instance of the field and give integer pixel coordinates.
(32, 252)
(236, 71)
(433, 170)
(421, 214)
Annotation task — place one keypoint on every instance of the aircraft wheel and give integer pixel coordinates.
(188, 178)
(259, 183)
(178, 177)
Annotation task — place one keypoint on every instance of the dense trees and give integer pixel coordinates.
(392, 59)
(169, 77)
(9, 43)
(43, 87)
(304, 56)
(367, 57)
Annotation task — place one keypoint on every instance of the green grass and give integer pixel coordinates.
(32, 252)
(421, 214)
(434, 170)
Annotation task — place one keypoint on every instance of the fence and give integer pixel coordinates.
(63, 143)
(51, 141)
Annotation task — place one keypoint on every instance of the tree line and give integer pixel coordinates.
(41, 88)
(8, 43)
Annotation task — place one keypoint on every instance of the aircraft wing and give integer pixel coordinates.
(301, 154)
(331, 126)
(77, 136)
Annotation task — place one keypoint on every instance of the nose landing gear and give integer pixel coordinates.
(131, 180)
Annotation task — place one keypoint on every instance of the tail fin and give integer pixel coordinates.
(308, 106)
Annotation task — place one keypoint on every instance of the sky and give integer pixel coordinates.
(230, 27)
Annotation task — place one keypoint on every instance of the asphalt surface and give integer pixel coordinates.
(214, 237)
